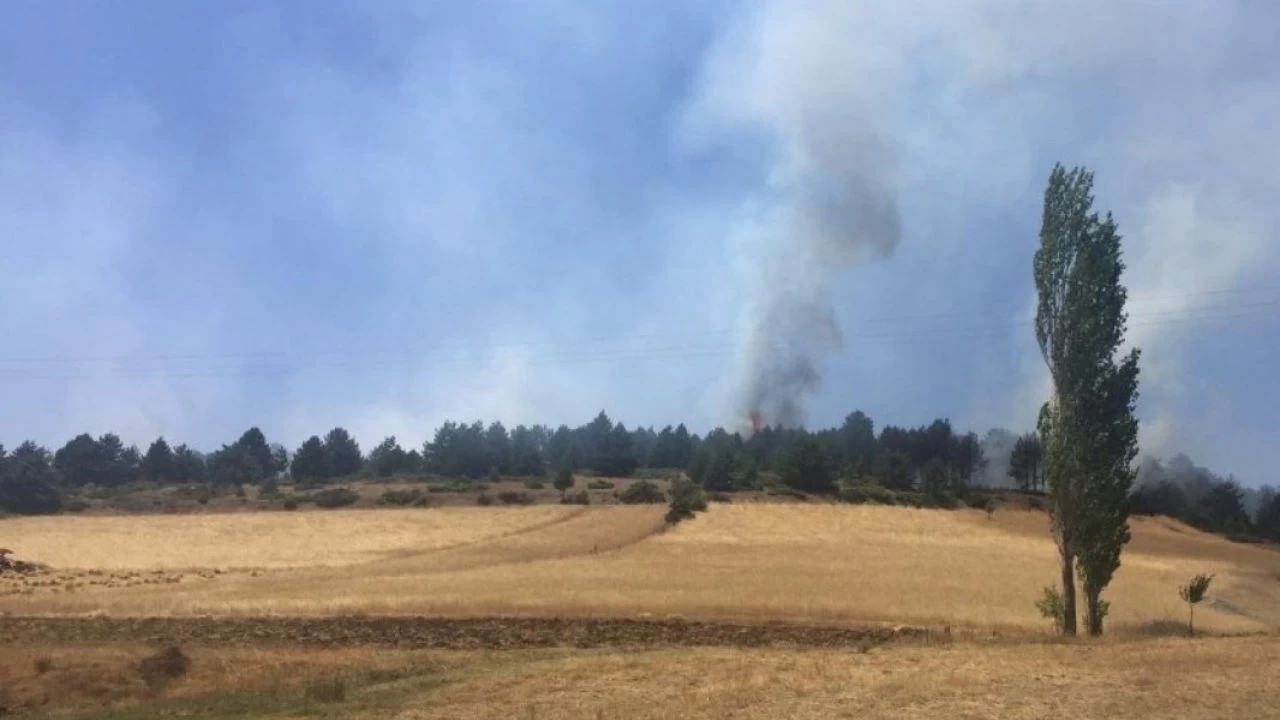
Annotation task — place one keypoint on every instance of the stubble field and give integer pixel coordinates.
(801, 562)
(963, 583)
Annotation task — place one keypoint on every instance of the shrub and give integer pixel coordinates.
(437, 488)
(1037, 503)
(269, 488)
(564, 480)
(687, 498)
(401, 498)
(168, 664)
(485, 499)
(493, 475)
(1051, 607)
(855, 495)
(534, 484)
(74, 504)
(600, 485)
(641, 493)
(785, 491)
(335, 498)
(329, 690)
(290, 504)
(511, 497)
(582, 497)
(720, 497)
(1192, 594)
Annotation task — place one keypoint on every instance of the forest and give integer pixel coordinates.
(853, 460)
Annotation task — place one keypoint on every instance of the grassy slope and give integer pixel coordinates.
(829, 563)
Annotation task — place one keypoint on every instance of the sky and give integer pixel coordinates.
(384, 214)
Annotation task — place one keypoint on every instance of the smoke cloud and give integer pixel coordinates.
(801, 80)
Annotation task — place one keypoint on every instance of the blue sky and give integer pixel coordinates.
(382, 214)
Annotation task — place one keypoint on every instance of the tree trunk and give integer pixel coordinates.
(1068, 594)
(1095, 611)
(1191, 624)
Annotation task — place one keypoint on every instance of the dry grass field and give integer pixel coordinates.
(808, 563)
(805, 562)
(1165, 678)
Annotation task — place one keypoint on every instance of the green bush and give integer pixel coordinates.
(582, 497)
(641, 493)
(854, 495)
(1051, 607)
(599, 485)
(784, 491)
(401, 498)
(335, 498)
(290, 504)
(73, 504)
(511, 497)
(687, 498)
(269, 488)
(720, 497)
(534, 484)
(485, 499)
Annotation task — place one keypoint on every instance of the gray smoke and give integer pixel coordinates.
(809, 83)
(828, 224)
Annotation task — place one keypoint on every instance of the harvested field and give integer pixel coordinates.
(827, 564)
(263, 540)
(1166, 678)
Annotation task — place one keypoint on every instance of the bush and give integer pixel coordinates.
(564, 480)
(1051, 607)
(335, 498)
(290, 504)
(687, 498)
(600, 485)
(534, 484)
(641, 493)
(74, 504)
(401, 498)
(582, 497)
(511, 497)
(269, 488)
(168, 664)
(787, 492)
(854, 495)
(720, 497)
(485, 499)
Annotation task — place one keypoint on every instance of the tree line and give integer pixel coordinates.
(31, 477)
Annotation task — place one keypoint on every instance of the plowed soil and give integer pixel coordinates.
(440, 633)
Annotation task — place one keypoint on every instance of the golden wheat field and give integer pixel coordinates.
(814, 562)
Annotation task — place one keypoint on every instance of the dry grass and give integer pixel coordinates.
(261, 540)
(830, 563)
(1170, 678)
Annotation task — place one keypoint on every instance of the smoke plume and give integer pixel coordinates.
(816, 92)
